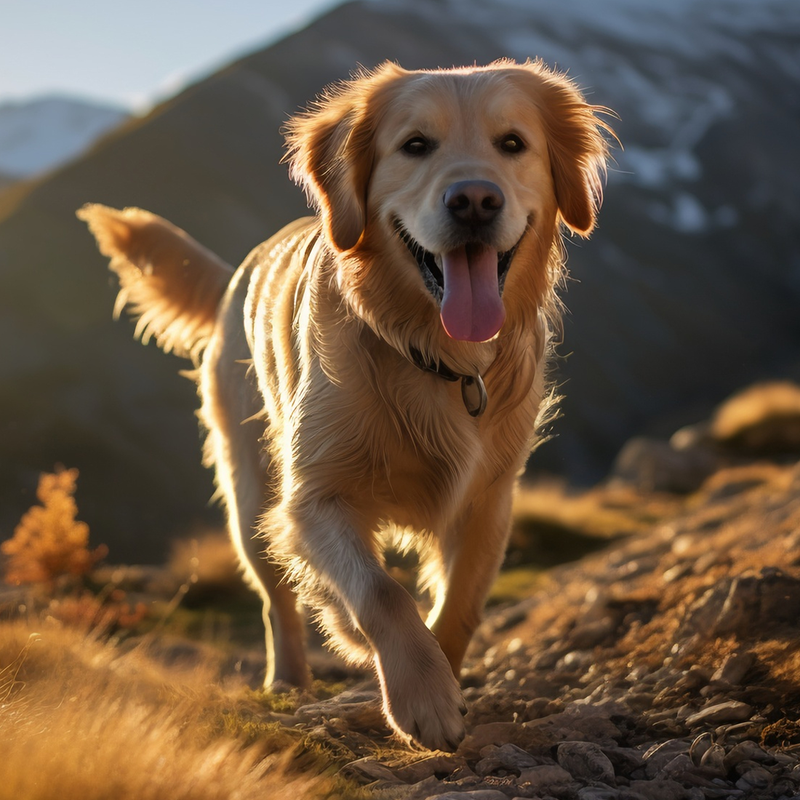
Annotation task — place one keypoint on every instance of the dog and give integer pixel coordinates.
(378, 372)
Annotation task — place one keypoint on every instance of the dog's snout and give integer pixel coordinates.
(474, 202)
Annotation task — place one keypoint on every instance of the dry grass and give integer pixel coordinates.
(84, 715)
(605, 512)
(755, 405)
(82, 719)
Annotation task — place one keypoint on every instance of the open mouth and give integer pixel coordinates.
(430, 265)
(467, 283)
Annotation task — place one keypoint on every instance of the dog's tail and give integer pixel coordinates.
(168, 281)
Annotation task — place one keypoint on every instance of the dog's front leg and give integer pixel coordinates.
(321, 546)
(472, 552)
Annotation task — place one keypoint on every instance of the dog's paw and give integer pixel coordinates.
(425, 706)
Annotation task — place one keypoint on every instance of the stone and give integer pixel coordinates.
(599, 793)
(577, 723)
(585, 760)
(729, 711)
(367, 770)
(439, 765)
(734, 668)
(755, 778)
(748, 603)
(587, 635)
(624, 759)
(477, 794)
(747, 751)
(658, 789)
(677, 767)
(700, 746)
(506, 758)
(544, 777)
(655, 466)
(499, 733)
(658, 756)
(713, 760)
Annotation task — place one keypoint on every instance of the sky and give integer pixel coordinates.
(131, 54)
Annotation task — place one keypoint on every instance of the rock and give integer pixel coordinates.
(441, 766)
(658, 789)
(585, 760)
(544, 776)
(677, 767)
(588, 635)
(367, 770)
(734, 668)
(728, 711)
(713, 760)
(507, 758)
(747, 751)
(528, 739)
(360, 710)
(577, 723)
(750, 603)
(653, 465)
(624, 759)
(754, 778)
(658, 756)
(598, 793)
(699, 747)
(478, 794)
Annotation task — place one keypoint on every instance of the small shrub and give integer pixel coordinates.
(49, 541)
(50, 552)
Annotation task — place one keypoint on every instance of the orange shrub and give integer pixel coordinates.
(49, 541)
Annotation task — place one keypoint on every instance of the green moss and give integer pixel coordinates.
(513, 585)
(289, 702)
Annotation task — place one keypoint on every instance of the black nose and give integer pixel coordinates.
(474, 202)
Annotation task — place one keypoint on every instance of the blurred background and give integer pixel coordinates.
(688, 291)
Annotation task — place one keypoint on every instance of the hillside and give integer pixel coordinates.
(663, 666)
(688, 290)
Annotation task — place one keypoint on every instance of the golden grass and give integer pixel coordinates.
(606, 512)
(82, 719)
(756, 405)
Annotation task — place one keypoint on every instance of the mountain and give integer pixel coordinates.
(40, 134)
(688, 290)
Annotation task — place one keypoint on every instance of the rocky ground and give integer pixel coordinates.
(665, 666)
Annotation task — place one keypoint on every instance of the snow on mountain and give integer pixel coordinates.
(673, 71)
(40, 134)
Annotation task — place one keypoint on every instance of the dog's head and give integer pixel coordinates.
(444, 181)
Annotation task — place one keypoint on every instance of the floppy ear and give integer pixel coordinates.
(577, 148)
(331, 151)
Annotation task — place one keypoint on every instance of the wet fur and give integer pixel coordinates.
(326, 438)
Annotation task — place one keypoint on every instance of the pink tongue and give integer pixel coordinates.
(472, 310)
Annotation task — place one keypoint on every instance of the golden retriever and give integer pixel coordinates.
(378, 371)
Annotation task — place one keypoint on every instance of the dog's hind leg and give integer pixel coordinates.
(232, 411)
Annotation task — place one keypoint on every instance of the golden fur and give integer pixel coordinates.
(326, 433)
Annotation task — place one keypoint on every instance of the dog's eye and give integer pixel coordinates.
(511, 143)
(417, 146)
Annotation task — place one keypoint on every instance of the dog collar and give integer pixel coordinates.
(473, 391)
